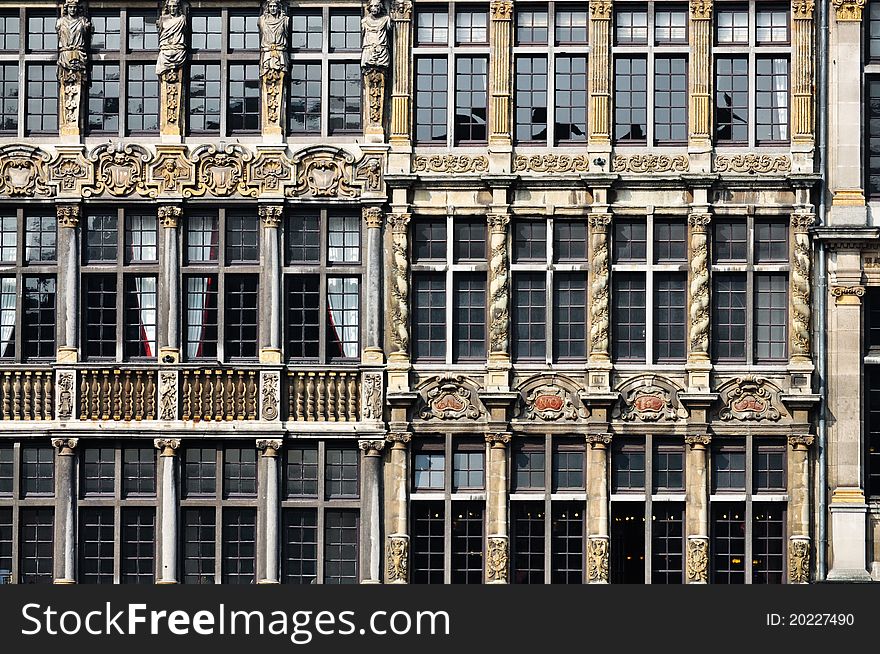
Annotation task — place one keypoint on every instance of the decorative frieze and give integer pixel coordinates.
(71, 171)
(799, 560)
(270, 395)
(497, 559)
(551, 163)
(752, 163)
(452, 164)
(597, 559)
(848, 10)
(74, 31)
(168, 395)
(698, 559)
(119, 170)
(650, 163)
(399, 283)
(800, 292)
(373, 399)
(699, 286)
(599, 293)
(499, 315)
(397, 559)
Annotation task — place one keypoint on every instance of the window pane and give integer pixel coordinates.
(42, 98)
(571, 99)
(631, 25)
(732, 99)
(732, 26)
(531, 99)
(345, 97)
(341, 546)
(628, 309)
(531, 25)
(307, 28)
(670, 25)
(341, 472)
(142, 34)
(100, 316)
(303, 316)
(771, 99)
(630, 240)
(431, 99)
(343, 317)
(242, 237)
(728, 544)
(568, 467)
(103, 99)
(528, 542)
(428, 542)
(38, 470)
(670, 99)
(432, 26)
(469, 316)
(344, 237)
(529, 240)
(670, 319)
(668, 467)
(205, 28)
(667, 543)
(36, 545)
(567, 545)
(204, 97)
(468, 469)
(468, 240)
(529, 323)
(305, 98)
(301, 471)
(138, 471)
(729, 316)
(138, 545)
(771, 316)
(627, 466)
(529, 464)
(239, 546)
(345, 30)
(199, 471)
(9, 93)
(429, 316)
(198, 538)
(140, 317)
(101, 237)
(471, 99)
(244, 98)
(38, 324)
(768, 543)
(429, 470)
(95, 547)
(471, 26)
(98, 471)
(201, 317)
(141, 238)
(10, 27)
(729, 465)
(241, 316)
(630, 99)
(8, 298)
(771, 241)
(769, 462)
(240, 472)
(299, 546)
(467, 543)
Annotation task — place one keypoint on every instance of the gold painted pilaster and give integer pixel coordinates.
(171, 105)
(500, 82)
(700, 75)
(401, 15)
(848, 11)
(600, 73)
(802, 127)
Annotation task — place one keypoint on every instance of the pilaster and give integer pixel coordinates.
(499, 302)
(373, 218)
(500, 81)
(168, 507)
(802, 83)
(269, 507)
(697, 508)
(800, 292)
(799, 508)
(65, 510)
(270, 321)
(700, 78)
(600, 76)
(600, 279)
(67, 290)
(169, 283)
(598, 545)
(497, 540)
(371, 530)
(398, 318)
(396, 508)
(699, 314)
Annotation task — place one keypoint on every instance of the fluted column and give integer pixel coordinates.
(167, 572)
(802, 126)
(269, 508)
(600, 279)
(700, 74)
(169, 284)
(397, 542)
(399, 284)
(800, 293)
(497, 538)
(67, 291)
(270, 322)
(600, 73)
(373, 345)
(699, 302)
(598, 545)
(799, 509)
(65, 510)
(697, 510)
(501, 15)
(499, 301)
(371, 530)
(401, 124)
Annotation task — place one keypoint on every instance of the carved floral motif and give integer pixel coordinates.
(597, 560)
(496, 559)
(799, 560)
(371, 406)
(167, 395)
(397, 559)
(551, 163)
(752, 163)
(270, 394)
(698, 560)
(450, 163)
(650, 163)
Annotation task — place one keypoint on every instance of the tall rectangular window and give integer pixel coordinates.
(728, 465)
(630, 99)
(9, 93)
(467, 543)
(36, 544)
(428, 542)
(244, 98)
(103, 99)
(8, 297)
(198, 544)
(6, 545)
(469, 338)
(670, 320)
(728, 544)
(305, 98)
(138, 545)
(38, 323)
(140, 317)
(670, 100)
(768, 543)
(429, 316)
(95, 547)
(239, 545)
(341, 546)
(204, 98)
(299, 546)
(345, 98)
(667, 543)
(471, 100)
(100, 316)
(567, 543)
(431, 99)
(201, 317)
(628, 308)
(570, 122)
(241, 317)
(531, 99)
(529, 316)
(40, 236)
(528, 543)
(771, 99)
(42, 99)
(37, 470)
(142, 98)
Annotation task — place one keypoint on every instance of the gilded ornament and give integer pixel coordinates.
(752, 163)
(799, 560)
(597, 559)
(119, 169)
(848, 10)
(496, 559)
(650, 163)
(698, 560)
(397, 559)
(551, 163)
(270, 215)
(450, 163)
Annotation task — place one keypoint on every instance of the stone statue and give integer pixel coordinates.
(375, 29)
(274, 26)
(74, 29)
(172, 38)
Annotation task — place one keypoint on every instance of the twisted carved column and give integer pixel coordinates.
(700, 74)
(167, 573)
(799, 509)
(600, 279)
(497, 540)
(401, 15)
(68, 281)
(697, 509)
(800, 293)
(598, 546)
(65, 510)
(699, 287)
(802, 71)
(399, 282)
(499, 314)
(270, 218)
(600, 72)
(501, 12)
(169, 328)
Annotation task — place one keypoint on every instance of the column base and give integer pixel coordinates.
(64, 582)
(164, 582)
(372, 355)
(169, 355)
(849, 534)
(270, 355)
(268, 582)
(67, 355)
(371, 581)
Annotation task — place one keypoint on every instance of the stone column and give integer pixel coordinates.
(598, 549)
(700, 77)
(169, 298)
(799, 509)
(269, 506)
(67, 290)
(802, 83)
(65, 510)
(270, 322)
(396, 508)
(697, 509)
(167, 518)
(373, 222)
(698, 364)
(800, 294)
(600, 75)
(371, 531)
(497, 540)
(848, 509)
(499, 313)
(401, 15)
(399, 284)
(501, 21)
(600, 280)
(845, 112)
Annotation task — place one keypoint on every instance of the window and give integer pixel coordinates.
(103, 100)
(429, 470)
(6, 544)
(204, 98)
(460, 75)
(630, 99)
(528, 542)
(668, 467)
(628, 526)
(10, 28)
(41, 33)
(240, 472)
(40, 234)
(244, 33)
(244, 98)
(39, 317)
(568, 466)
(627, 466)
(567, 543)
(239, 545)
(428, 566)
(649, 260)
(631, 25)
(752, 84)
(345, 30)
(728, 465)
(750, 290)
(198, 544)
(468, 469)
(873, 31)
(138, 545)
(529, 463)
(667, 543)
(36, 545)
(221, 281)
(95, 547)
(549, 290)
(345, 98)
(199, 471)
(467, 543)
(100, 316)
(9, 92)
(142, 34)
(728, 543)
(98, 470)
(320, 517)
(305, 98)
(42, 99)
(531, 99)
(769, 465)
(7, 466)
(465, 337)
(38, 470)
(768, 543)
(322, 286)
(142, 98)
(139, 471)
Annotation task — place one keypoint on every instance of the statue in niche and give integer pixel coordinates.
(274, 24)
(74, 29)
(375, 42)
(172, 38)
